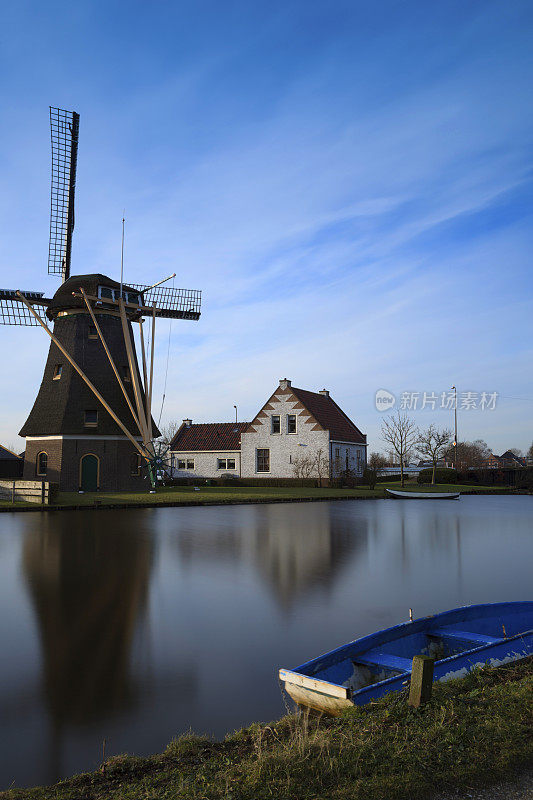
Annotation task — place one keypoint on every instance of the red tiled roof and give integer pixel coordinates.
(328, 414)
(209, 436)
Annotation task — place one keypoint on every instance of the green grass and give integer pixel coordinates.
(472, 731)
(245, 494)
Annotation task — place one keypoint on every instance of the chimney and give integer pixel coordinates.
(284, 383)
(187, 423)
(324, 392)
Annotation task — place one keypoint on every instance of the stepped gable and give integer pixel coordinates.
(318, 410)
(209, 436)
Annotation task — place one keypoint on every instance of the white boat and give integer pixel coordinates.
(424, 495)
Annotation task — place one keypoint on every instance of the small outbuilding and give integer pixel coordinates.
(11, 465)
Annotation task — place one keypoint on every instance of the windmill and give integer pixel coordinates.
(91, 425)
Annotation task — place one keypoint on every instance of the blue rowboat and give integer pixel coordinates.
(370, 667)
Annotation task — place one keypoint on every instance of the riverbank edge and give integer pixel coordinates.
(473, 732)
(101, 506)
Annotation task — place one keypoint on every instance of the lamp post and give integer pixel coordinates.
(455, 434)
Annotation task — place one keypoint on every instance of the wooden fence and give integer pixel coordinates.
(27, 491)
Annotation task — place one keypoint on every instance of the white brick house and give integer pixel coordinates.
(292, 429)
(207, 450)
(295, 424)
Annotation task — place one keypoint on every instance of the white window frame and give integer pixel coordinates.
(295, 431)
(272, 431)
(262, 471)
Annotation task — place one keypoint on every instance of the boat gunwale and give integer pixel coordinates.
(416, 626)
(423, 495)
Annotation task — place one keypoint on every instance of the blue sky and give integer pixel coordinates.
(349, 184)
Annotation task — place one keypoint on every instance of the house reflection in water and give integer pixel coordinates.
(88, 584)
(296, 548)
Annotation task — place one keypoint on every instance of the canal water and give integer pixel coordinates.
(135, 626)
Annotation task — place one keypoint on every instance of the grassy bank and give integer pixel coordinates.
(186, 495)
(473, 731)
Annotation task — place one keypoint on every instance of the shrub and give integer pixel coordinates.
(442, 475)
(387, 478)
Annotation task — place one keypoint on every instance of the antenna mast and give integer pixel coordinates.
(122, 255)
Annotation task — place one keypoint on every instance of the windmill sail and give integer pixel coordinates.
(171, 303)
(64, 130)
(14, 312)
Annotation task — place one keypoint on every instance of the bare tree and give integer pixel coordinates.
(432, 444)
(377, 461)
(302, 466)
(321, 465)
(469, 454)
(311, 466)
(516, 451)
(399, 431)
(169, 430)
(530, 451)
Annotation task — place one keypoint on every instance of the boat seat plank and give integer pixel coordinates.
(385, 660)
(469, 636)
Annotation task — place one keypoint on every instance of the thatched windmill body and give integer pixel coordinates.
(91, 425)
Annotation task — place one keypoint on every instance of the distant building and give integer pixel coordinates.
(506, 460)
(296, 433)
(11, 465)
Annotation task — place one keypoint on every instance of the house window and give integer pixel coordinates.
(337, 452)
(291, 423)
(126, 377)
(347, 461)
(58, 369)
(263, 460)
(225, 463)
(190, 464)
(182, 464)
(91, 419)
(42, 464)
(135, 465)
(93, 333)
(276, 423)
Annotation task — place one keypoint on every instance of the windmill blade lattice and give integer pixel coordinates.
(14, 312)
(64, 130)
(171, 303)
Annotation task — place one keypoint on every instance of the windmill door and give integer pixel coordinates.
(89, 473)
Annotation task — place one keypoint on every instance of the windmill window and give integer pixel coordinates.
(135, 465)
(276, 423)
(91, 419)
(42, 464)
(105, 293)
(263, 460)
(291, 423)
(133, 297)
(126, 377)
(93, 333)
(58, 369)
